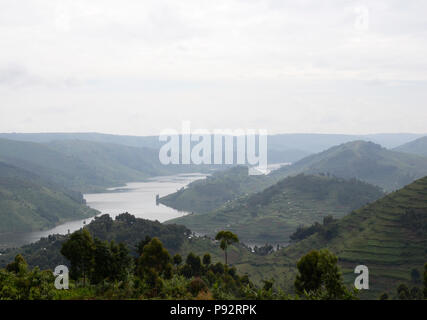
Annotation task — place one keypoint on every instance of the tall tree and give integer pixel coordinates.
(79, 250)
(227, 238)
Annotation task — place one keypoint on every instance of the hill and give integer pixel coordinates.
(87, 166)
(62, 169)
(205, 195)
(418, 146)
(301, 142)
(272, 215)
(389, 236)
(361, 160)
(125, 228)
(365, 161)
(27, 202)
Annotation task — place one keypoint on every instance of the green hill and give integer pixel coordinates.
(389, 236)
(85, 165)
(365, 161)
(273, 214)
(116, 163)
(362, 160)
(52, 165)
(418, 146)
(205, 195)
(125, 228)
(29, 203)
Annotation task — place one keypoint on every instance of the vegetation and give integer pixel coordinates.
(319, 277)
(125, 228)
(226, 239)
(28, 202)
(373, 236)
(275, 213)
(365, 161)
(205, 195)
(102, 270)
(418, 146)
(86, 166)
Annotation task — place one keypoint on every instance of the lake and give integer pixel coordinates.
(137, 198)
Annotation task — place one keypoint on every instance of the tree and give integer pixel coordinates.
(194, 263)
(79, 250)
(121, 261)
(140, 246)
(102, 262)
(154, 256)
(111, 261)
(319, 276)
(19, 265)
(227, 238)
(177, 259)
(207, 259)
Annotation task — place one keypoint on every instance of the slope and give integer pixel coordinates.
(389, 236)
(273, 214)
(29, 203)
(418, 146)
(365, 161)
(205, 195)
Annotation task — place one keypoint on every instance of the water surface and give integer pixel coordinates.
(137, 198)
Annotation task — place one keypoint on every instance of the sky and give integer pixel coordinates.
(140, 67)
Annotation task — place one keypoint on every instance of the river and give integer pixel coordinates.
(137, 198)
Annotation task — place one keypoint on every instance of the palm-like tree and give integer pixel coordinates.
(227, 238)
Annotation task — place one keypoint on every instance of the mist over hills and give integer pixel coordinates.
(418, 146)
(86, 166)
(281, 147)
(363, 160)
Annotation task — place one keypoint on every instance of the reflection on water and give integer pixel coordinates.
(137, 198)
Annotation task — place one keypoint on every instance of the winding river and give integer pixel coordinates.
(137, 198)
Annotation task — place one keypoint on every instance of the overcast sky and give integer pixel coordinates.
(138, 67)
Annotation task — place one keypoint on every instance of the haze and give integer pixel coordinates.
(138, 67)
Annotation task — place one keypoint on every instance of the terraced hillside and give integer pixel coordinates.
(389, 236)
(273, 214)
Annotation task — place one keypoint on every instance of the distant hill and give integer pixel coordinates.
(307, 142)
(51, 164)
(130, 141)
(272, 215)
(418, 146)
(205, 195)
(86, 165)
(362, 160)
(27, 202)
(389, 236)
(365, 161)
(281, 147)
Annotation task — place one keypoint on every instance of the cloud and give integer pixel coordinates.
(185, 59)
